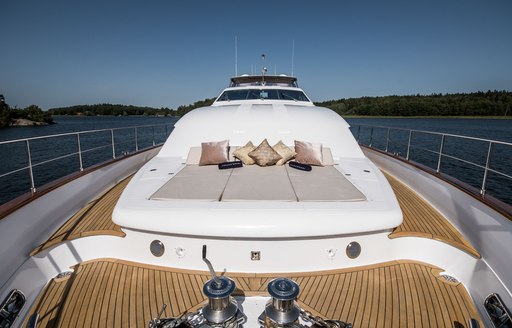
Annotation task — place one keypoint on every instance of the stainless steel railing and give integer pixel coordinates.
(106, 144)
(455, 155)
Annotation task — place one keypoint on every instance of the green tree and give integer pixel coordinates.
(5, 112)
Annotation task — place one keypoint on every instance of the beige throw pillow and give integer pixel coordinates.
(308, 153)
(264, 155)
(243, 153)
(214, 152)
(284, 151)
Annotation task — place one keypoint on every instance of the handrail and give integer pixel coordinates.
(442, 153)
(132, 138)
(433, 132)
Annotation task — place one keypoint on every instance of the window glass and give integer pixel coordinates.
(273, 94)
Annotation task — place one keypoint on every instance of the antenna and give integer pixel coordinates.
(236, 55)
(293, 53)
(264, 70)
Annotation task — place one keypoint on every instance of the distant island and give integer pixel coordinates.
(29, 116)
(111, 110)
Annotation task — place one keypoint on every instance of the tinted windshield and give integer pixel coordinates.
(275, 94)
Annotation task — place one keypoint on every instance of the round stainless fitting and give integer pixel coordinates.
(282, 308)
(283, 289)
(220, 306)
(353, 250)
(157, 248)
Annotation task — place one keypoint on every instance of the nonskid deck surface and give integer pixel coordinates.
(115, 293)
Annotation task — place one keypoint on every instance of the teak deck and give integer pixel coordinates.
(93, 219)
(422, 220)
(114, 293)
(109, 292)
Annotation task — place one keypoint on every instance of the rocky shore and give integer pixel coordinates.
(26, 122)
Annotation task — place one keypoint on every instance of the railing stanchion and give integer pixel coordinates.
(371, 137)
(409, 145)
(30, 170)
(79, 152)
(358, 132)
(136, 139)
(387, 140)
(486, 171)
(153, 135)
(113, 144)
(441, 148)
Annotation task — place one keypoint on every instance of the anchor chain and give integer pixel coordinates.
(317, 321)
(194, 320)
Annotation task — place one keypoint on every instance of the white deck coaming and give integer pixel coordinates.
(257, 219)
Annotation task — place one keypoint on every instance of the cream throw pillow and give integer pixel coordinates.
(264, 155)
(284, 151)
(214, 152)
(243, 153)
(308, 153)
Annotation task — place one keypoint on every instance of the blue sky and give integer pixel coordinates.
(170, 53)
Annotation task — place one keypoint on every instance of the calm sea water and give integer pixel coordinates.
(97, 147)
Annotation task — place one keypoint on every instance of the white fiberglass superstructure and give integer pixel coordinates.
(252, 110)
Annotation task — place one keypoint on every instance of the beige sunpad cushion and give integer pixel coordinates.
(323, 184)
(193, 182)
(254, 183)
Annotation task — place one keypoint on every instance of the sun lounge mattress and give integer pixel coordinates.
(254, 183)
(193, 182)
(323, 184)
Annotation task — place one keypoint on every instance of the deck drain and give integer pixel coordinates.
(449, 278)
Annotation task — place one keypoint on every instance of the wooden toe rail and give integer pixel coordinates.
(115, 293)
(93, 219)
(422, 220)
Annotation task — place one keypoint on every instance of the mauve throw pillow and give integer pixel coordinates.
(264, 155)
(308, 153)
(214, 152)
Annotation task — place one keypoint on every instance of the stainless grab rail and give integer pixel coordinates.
(441, 153)
(79, 151)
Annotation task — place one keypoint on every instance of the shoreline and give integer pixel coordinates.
(433, 117)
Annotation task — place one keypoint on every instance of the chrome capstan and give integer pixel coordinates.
(282, 309)
(221, 306)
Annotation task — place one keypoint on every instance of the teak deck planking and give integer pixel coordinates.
(93, 219)
(115, 293)
(420, 219)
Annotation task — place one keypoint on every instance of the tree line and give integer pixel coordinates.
(8, 115)
(110, 109)
(490, 103)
